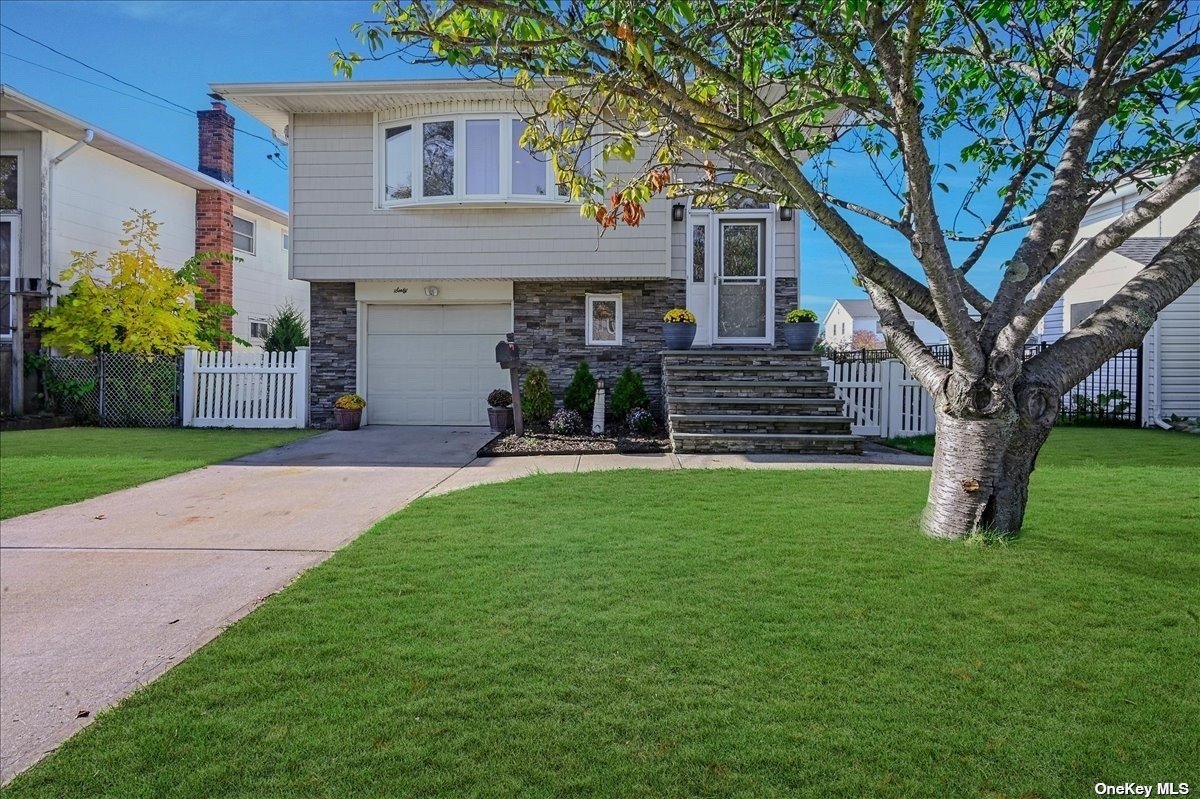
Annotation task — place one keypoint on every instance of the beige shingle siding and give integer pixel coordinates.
(339, 234)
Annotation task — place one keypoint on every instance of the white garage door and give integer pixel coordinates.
(433, 364)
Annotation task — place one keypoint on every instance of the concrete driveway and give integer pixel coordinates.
(101, 597)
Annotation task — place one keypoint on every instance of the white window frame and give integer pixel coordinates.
(17, 155)
(287, 241)
(508, 121)
(253, 235)
(14, 275)
(591, 299)
(256, 320)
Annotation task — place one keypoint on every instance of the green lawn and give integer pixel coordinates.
(44, 468)
(688, 634)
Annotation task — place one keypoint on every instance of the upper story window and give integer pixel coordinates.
(467, 158)
(243, 235)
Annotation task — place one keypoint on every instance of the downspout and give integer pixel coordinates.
(19, 332)
(1156, 411)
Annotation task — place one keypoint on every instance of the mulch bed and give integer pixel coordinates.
(536, 442)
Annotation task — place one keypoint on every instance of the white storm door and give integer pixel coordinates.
(741, 292)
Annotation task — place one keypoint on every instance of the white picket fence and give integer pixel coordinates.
(245, 389)
(882, 398)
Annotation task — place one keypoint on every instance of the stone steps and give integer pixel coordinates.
(753, 400)
(799, 389)
(827, 444)
(725, 423)
(756, 404)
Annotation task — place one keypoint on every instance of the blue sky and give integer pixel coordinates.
(175, 48)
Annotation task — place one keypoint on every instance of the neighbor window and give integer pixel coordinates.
(475, 158)
(10, 247)
(243, 235)
(8, 183)
(287, 242)
(603, 319)
(259, 328)
(1082, 310)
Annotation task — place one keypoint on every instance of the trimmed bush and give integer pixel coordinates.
(628, 393)
(286, 330)
(581, 394)
(566, 422)
(641, 421)
(537, 403)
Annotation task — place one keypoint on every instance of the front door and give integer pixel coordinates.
(742, 290)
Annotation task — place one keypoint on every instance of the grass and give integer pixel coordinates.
(702, 634)
(45, 468)
(1089, 446)
(921, 445)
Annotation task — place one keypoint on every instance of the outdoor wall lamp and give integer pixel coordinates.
(785, 213)
(431, 291)
(677, 212)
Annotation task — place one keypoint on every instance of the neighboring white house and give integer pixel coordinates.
(428, 234)
(1171, 350)
(846, 316)
(68, 186)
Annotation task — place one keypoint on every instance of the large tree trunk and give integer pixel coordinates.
(981, 469)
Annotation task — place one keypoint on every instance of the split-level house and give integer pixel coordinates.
(1169, 366)
(66, 185)
(427, 234)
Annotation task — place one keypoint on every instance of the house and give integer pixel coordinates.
(1170, 360)
(427, 234)
(847, 316)
(66, 185)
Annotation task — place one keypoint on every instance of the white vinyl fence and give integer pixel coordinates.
(245, 389)
(882, 398)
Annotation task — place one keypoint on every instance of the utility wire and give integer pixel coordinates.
(93, 83)
(110, 76)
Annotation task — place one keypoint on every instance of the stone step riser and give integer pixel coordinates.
(743, 360)
(749, 426)
(772, 374)
(760, 406)
(714, 445)
(751, 390)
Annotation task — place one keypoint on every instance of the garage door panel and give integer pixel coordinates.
(433, 364)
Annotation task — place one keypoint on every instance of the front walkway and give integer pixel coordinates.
(103, 596)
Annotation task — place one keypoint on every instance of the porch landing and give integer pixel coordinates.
(753, 399)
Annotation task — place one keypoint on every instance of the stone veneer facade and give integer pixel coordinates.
(333, 353)
(548, 324)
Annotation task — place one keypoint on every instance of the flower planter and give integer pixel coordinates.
(800, 335)
(679, 335)
(347, 420)
(500, 419)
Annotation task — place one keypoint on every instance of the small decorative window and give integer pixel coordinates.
(243, 235)
(259, 329)
(698, 238)
(603, 320)
(287, 242)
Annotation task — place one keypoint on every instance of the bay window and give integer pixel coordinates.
(468, 158)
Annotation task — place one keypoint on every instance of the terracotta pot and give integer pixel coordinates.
(347, 420)
(679, 335)
(500, 419)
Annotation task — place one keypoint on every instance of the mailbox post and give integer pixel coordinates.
(508, 356)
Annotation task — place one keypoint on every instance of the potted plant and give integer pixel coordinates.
(800, 329)
(679, 329)
(347, 411)
(500, 412)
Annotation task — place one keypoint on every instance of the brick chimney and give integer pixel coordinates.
(216, 143)
(214, 207)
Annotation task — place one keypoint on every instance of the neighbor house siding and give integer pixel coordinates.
(1179, 356)
(94, 193)
(260, 284)
(339, 234)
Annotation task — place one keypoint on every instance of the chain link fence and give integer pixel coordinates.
(117, 389)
